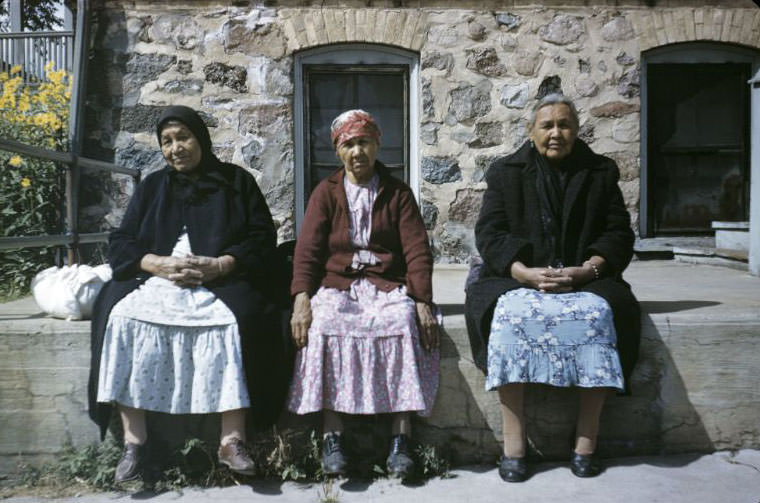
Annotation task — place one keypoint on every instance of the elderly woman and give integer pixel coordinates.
(362, 311)
(185, 327)
(550, 305)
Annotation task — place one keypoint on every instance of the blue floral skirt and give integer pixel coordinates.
(561, 339)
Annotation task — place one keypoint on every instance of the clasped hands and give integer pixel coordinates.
(550, 279)
(301, 321)
(188, 271)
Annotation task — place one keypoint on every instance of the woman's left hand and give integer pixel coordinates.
(579, 275)
(428, 326)
(211, 268)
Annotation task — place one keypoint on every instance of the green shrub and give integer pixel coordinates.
(296, 457)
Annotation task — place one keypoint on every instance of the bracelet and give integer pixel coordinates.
(219, 263)
(594, 267)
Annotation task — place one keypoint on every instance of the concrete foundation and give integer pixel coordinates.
(694, 389)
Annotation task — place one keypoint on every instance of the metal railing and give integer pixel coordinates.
(71, 238)
(33, 50)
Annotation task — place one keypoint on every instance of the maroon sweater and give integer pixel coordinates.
(324, 251)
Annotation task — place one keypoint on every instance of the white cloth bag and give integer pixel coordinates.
(69, 292)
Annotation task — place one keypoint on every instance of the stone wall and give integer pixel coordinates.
(481, 70)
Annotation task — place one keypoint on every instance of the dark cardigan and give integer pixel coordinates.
(594, 222)
(230, 217)
(324, 251)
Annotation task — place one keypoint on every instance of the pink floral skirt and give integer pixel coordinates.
(364, 355)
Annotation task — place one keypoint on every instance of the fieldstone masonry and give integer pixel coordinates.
(482, 65)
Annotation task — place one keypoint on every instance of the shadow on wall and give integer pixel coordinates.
(674, 306)
(657, 418)
(461, 424)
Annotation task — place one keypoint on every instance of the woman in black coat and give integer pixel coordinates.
(550, 305)
(186, 326)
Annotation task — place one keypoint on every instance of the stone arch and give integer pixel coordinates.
(658, 27)
(305, 29)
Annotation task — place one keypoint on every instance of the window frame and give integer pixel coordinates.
(356, 55)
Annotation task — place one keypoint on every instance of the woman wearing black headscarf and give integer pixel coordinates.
(185, 325)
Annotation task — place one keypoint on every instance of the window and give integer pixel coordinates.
(695, 146)
(333, 79)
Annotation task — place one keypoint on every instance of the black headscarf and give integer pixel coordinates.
(183, 185)
(194, 123)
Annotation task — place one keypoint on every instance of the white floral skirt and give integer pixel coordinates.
(560, 339)
(173, 369)
(172, 349)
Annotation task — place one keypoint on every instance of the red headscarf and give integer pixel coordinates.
(353, 124)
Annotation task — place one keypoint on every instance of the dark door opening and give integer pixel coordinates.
(698, 146)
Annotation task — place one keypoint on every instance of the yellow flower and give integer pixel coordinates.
(23, 104)
(26, 182)
(16, 161)
(15, 69)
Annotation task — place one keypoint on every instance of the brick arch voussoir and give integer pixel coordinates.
(657, 28)
(318, 27)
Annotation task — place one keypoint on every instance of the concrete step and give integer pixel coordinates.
(732, 235)
(735, 259)
(43, 384)
(694, 388)
(661, 248)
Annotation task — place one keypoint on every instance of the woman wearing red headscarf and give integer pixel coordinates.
(363, 315)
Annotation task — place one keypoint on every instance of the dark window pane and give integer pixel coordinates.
(698, 145)
(381, 91)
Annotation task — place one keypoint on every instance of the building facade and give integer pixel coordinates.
(665, 88)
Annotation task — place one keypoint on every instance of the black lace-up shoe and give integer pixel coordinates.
(400, 464)
(513, 469)
(333, 459)
(585, 465)
(131, 463)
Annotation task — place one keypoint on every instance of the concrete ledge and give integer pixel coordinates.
(694, 389)
(732, 235)
(43, 384)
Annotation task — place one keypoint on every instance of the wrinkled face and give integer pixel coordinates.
(554, 131)
(358, 157)
(180, 147)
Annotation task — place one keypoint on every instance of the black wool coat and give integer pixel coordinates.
(594, 222)
(230, 217)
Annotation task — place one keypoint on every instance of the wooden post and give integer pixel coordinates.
(16, 12)
(68, 25)
(754, 177)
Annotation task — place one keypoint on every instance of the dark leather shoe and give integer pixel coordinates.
(234, 454)
(333, 460)
(130, 465)
(399, 463)
(513, 469)
(585, 465)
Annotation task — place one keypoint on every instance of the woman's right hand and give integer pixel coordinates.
(544, 279)
(301, 319)
(179, 270)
